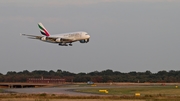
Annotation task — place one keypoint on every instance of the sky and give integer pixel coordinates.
(126, 35)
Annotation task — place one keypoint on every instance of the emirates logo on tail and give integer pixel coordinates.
(43, 30)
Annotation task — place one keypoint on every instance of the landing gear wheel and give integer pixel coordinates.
(60, 44)
(63, 44)
(70, 44)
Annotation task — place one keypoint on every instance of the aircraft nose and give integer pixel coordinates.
(88, 36)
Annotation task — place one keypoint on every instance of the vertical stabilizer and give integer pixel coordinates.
(43, 30)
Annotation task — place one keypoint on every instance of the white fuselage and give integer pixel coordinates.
(62, 39)
(75, 36)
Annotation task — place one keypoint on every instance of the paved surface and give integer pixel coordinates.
(64, 90)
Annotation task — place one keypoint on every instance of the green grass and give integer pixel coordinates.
(52, 97)
(148, 90)
(150, 93)
(1, 90)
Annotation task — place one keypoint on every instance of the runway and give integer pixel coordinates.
(54, 90)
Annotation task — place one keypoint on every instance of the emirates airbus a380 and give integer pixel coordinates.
(61, 39)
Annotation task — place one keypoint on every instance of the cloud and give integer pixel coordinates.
(92, 2)
(62, 3)
(17, 19)
(147, 0)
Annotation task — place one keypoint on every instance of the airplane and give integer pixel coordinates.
(61, 39)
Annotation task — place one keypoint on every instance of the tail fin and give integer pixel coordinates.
(43, 30)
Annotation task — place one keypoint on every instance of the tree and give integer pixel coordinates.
(103, 76)
(11, 73)
(148, 72)
(107, 72)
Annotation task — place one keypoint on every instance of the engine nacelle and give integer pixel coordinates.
(58, 40)
(43, 38)
(84, 41)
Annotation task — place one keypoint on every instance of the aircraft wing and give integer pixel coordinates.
(65, 40)
(52, 39)
(33, 36)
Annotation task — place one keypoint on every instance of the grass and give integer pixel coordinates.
(147, 90)
(1, 90)
(50, 97)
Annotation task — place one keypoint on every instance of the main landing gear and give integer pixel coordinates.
(64, 44)
(70, 44)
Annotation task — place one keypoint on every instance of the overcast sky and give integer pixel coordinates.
(126, 35)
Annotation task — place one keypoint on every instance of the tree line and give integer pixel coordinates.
(95, 76)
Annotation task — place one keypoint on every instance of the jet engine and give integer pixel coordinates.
(43, 38)
(84, 41)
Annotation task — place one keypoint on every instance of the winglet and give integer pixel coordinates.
(22, 34)
(43, 30)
